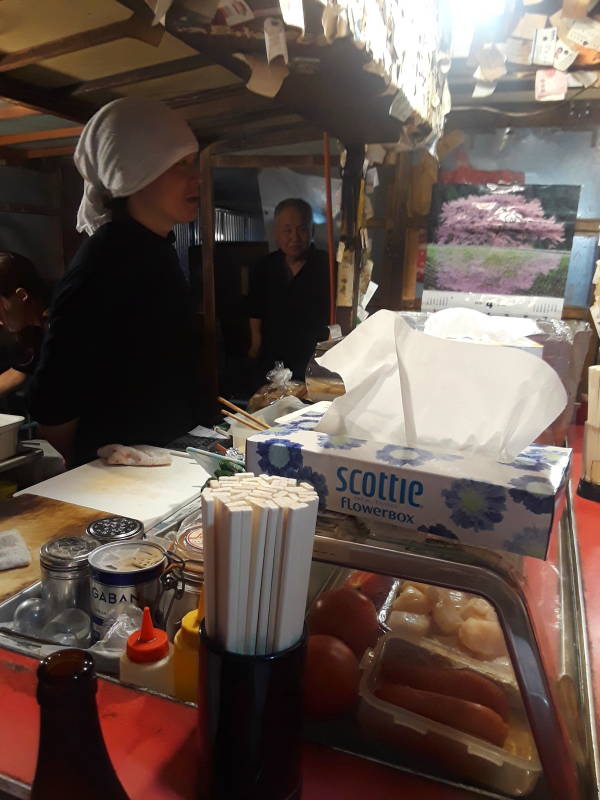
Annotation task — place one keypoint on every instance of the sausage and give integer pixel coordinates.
(459, 683)
(463, 715)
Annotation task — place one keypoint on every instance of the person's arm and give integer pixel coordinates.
(256, 309)
(61, 437)
(10, 380)
(255, 337)
(64, 377)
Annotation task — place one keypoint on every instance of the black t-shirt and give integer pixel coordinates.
(26, 349)
(122, 351)
(294, 310)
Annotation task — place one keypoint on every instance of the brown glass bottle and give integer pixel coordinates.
(72, 757)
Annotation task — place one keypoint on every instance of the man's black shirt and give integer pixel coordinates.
(294, 310)
(122, 353)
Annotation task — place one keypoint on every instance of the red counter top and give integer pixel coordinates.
(152, 741)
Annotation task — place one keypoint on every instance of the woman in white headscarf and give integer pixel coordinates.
(121, 362)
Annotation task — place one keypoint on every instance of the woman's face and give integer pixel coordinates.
(174, 196)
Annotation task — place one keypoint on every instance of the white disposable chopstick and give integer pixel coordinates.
(260, 516)
(258, 539)
(267, 578)
(301, 519)
(276, 581)
(228, 579)
(210, 563)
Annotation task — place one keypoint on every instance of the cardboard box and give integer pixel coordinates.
(471, 499)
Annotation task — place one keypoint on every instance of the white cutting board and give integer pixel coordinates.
(145, 493)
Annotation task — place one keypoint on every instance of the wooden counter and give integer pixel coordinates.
(38, 520)
(152, 740)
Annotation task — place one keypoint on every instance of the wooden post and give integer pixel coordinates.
(350, 265)
(330, 244)
(207, 310)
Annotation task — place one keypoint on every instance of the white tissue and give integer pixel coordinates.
(13, 550)
(468, 324)
(406, 387)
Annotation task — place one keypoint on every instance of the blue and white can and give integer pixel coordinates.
(125, 573)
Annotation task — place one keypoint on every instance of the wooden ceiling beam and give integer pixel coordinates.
(581, 115)
(12, 111)
(162, 70)
(231, 91)
(41, 136)
(28, 208)
(138, 26)
(262, 162)
(11, 156)
(269, 137)
(49, 152)
(43, 100)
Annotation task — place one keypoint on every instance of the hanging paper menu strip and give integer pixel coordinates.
(275, 41)
(586, 33)
(528, 25)
(564, 56)
(518, 51)
(550, 85)
(235, 12)
(292, 12)
(544, 47)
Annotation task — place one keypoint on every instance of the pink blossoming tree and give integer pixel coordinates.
(504, 220)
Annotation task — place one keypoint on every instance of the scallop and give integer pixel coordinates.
(425, 588)
(405, 622)
(413, 600)
(447, 613)
(479, 608)
(447, 618)
(483, 637)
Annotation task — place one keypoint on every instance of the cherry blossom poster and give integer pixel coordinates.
(504, 240)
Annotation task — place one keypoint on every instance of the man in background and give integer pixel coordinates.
(23, 304)
(289, 294)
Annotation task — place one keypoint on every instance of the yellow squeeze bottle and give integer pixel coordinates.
(186, 654)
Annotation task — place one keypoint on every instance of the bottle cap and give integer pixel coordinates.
(149, 643)
(190, 625)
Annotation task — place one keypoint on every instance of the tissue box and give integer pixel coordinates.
(471, 499)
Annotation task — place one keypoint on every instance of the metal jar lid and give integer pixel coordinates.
(67, 552)
(115, 529)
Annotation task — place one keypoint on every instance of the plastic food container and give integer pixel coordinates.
(512, 770)
(321, 384)
(9, 432)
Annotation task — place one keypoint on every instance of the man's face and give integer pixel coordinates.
(292, 233)
(175, 194)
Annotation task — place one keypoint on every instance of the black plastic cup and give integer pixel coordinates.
(250, 722)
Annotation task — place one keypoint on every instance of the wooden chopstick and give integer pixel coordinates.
(241, 411)
(242, 421)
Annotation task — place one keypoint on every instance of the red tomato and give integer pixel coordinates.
(376, 587)
(331, 677)
(348, 614)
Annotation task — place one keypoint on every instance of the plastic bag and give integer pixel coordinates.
(116, 630)
(280, 384)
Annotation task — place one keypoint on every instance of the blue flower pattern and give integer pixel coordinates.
(534, 493)
(280, 457)
(536, 458)
(402, 456)
(475, 505)
(438, 530)
(530, 542)
(318, 481)
(340, 442)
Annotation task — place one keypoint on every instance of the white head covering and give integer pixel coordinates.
(125, 146)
